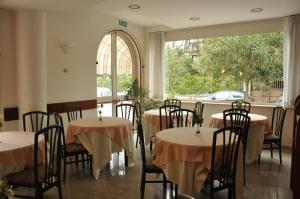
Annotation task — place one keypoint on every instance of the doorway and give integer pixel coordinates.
(118, 65)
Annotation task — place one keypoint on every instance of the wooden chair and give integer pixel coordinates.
(74, 113)
(72, 150)
(44, 176)
(126, 111)
(223, 169)
(278, 117)
(241, 120)
(241, 105)
(236, 110)
(199, 107)
(181, 118)
(174, 102)
(37, 119)
(138, 113)
(147, 166)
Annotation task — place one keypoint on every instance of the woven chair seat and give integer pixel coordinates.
(26, 176)
(75, 148)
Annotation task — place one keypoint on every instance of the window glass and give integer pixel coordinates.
(229, 68)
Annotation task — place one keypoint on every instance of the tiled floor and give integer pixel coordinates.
(268, 180)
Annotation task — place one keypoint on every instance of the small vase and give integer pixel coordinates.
(100, 116)
(198, 129)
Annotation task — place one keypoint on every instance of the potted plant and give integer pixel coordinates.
(5, 190)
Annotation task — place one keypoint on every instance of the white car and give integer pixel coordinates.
(103, 92)
(226, 96)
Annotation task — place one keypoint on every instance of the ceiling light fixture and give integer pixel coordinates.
(194, 18)
(134, 6)
(256, 9)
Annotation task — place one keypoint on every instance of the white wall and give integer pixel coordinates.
(8, 81)
(213, 108)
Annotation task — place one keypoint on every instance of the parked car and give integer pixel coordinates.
(226, 96)
(103, 91)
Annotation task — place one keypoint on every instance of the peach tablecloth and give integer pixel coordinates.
(259, 124)
(16, 151)
(102, 138)
(186, 158)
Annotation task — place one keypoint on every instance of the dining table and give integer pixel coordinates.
(186, 158)
(103, 137)
(259, 126)
(17, 151)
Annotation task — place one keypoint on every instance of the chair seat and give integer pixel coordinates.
(149, 166)
(271, 137)
(26, 176)
(75, 148)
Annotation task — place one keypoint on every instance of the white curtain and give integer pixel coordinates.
(291, 72)
(156, 61)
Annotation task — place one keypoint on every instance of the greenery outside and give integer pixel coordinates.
(244, 62)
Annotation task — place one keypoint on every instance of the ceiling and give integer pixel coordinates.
(167, 14)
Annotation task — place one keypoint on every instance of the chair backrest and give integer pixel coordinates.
(240, 120)
(181, 118)
(52, 153)
(59, 122)
(199, 106)
(164, 115)
(241, 105)
(225, 155)
(174, 102)
(126, 111)
(138, 111)
(278, 117)
(74, 113)
(37, 120)
(140, 133)
(236, 110)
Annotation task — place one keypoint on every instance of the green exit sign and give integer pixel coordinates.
(123, 23)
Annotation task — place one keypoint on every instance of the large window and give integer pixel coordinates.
(226, 68)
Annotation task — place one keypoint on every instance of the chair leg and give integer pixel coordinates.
(258, 159)
(65, 169)
(38, 193)
(83, 160)
(244, 168)
(176, 191)
(164, 186)
(142, 189)
(91, 164)
(59, 190)
(271, 150)
(150, 145)
(280, 157)
(230, 193)
(76, 160)
(137, 141)
(126, 158)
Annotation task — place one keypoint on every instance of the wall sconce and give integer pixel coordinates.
(65, 46)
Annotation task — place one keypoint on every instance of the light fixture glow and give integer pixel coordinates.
(256, 9)
(134, 6)
(194, 18)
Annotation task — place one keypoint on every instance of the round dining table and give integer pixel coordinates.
(16, 151)
(151, 124)
(102, 138)
(186, 158)
(259, 126)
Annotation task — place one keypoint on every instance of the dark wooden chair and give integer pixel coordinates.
(223, 169)
(236, 110)
(72, 150)
(174, 102)
(199, 107)
(241, 120)
(138, 114)
(126, 111)
(181, 118)
(278, 117)
(74, 113)
(241, 105)
(147, 166)
(44, 176)
(37, 120)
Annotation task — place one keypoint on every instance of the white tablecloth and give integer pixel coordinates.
(16, 151)
(259, 124)
(102, 138)
(186, 158)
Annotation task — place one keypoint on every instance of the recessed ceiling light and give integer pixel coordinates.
(256, 9)
(134, 6)
(194, 18)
